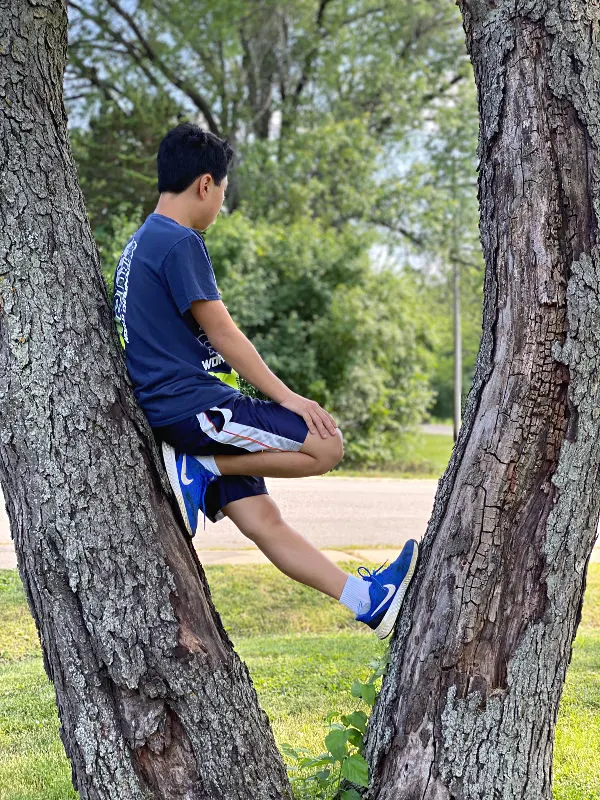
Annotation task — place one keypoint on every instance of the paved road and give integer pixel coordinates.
(353, 513)
(350, 513)
(437, 429)
(342, 512)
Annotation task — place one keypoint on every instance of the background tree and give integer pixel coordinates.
(320, 162)
(152, 699)
(470, 702)
(116, 157)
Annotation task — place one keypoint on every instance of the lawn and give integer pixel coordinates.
(422, 455)
(302, 670)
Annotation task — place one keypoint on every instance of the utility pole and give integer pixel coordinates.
(456, 309)
(457, 349)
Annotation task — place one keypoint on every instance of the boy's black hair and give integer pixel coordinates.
(187, 152)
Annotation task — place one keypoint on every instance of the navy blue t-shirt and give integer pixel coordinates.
(163, 269)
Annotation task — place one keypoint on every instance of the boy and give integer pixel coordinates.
(183, 353)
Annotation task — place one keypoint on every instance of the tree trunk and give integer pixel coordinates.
(152, 699)
(469, 706)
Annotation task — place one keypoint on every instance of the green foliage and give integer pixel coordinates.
(116, 166)
(326, 776)
(374, 331)
(331, 327)
(251, 61)
(434, 293)
(112, 238)
(324, 173)
(116, 155)
(440, 206)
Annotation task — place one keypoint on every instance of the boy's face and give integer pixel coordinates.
(209, 200)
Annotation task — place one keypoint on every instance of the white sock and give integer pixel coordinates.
(356, 595)
(209, 463)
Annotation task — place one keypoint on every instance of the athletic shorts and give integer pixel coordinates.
(240, 424)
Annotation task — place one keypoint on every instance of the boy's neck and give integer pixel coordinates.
(173, 210)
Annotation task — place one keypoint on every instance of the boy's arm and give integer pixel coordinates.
(240, 353)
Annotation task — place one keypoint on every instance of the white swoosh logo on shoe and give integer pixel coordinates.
(390, 591)
(184, 478)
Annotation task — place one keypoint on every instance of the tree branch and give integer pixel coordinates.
(381, 125)
(310, 56)
(199, 101)
(205, 58)
(151, 55)
(357, 17)
(118, 37)
(465, 263)
(90, 74)
(441, 90)
(83, 45)
(395, 228)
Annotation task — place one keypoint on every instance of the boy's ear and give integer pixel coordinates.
(202, 185)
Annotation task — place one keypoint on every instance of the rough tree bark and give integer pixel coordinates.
(152, 699)
(469, 706)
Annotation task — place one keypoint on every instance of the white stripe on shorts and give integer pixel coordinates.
(245, 436)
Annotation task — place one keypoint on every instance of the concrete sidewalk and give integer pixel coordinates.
(350, 519)
(254, 556)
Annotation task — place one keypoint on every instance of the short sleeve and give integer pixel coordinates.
(189, 274)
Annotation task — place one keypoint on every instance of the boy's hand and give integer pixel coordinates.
(317, 419)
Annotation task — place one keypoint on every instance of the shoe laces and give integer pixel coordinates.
(370, 575)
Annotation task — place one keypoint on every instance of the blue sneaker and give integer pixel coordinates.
(189, 480)
(387, 590)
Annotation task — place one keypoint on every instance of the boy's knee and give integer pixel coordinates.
(331, 453)
(268, 518)
(339, 446)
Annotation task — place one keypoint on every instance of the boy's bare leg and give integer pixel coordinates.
(259, 519)
(316, 456)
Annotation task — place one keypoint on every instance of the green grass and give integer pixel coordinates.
(577, 747)
(302, 670)
(18, 636)
(256, 598)
(32, 760)
(301, 679)
(590, 617)
(423, 455)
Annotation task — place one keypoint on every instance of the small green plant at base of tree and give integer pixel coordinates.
(334, 774)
